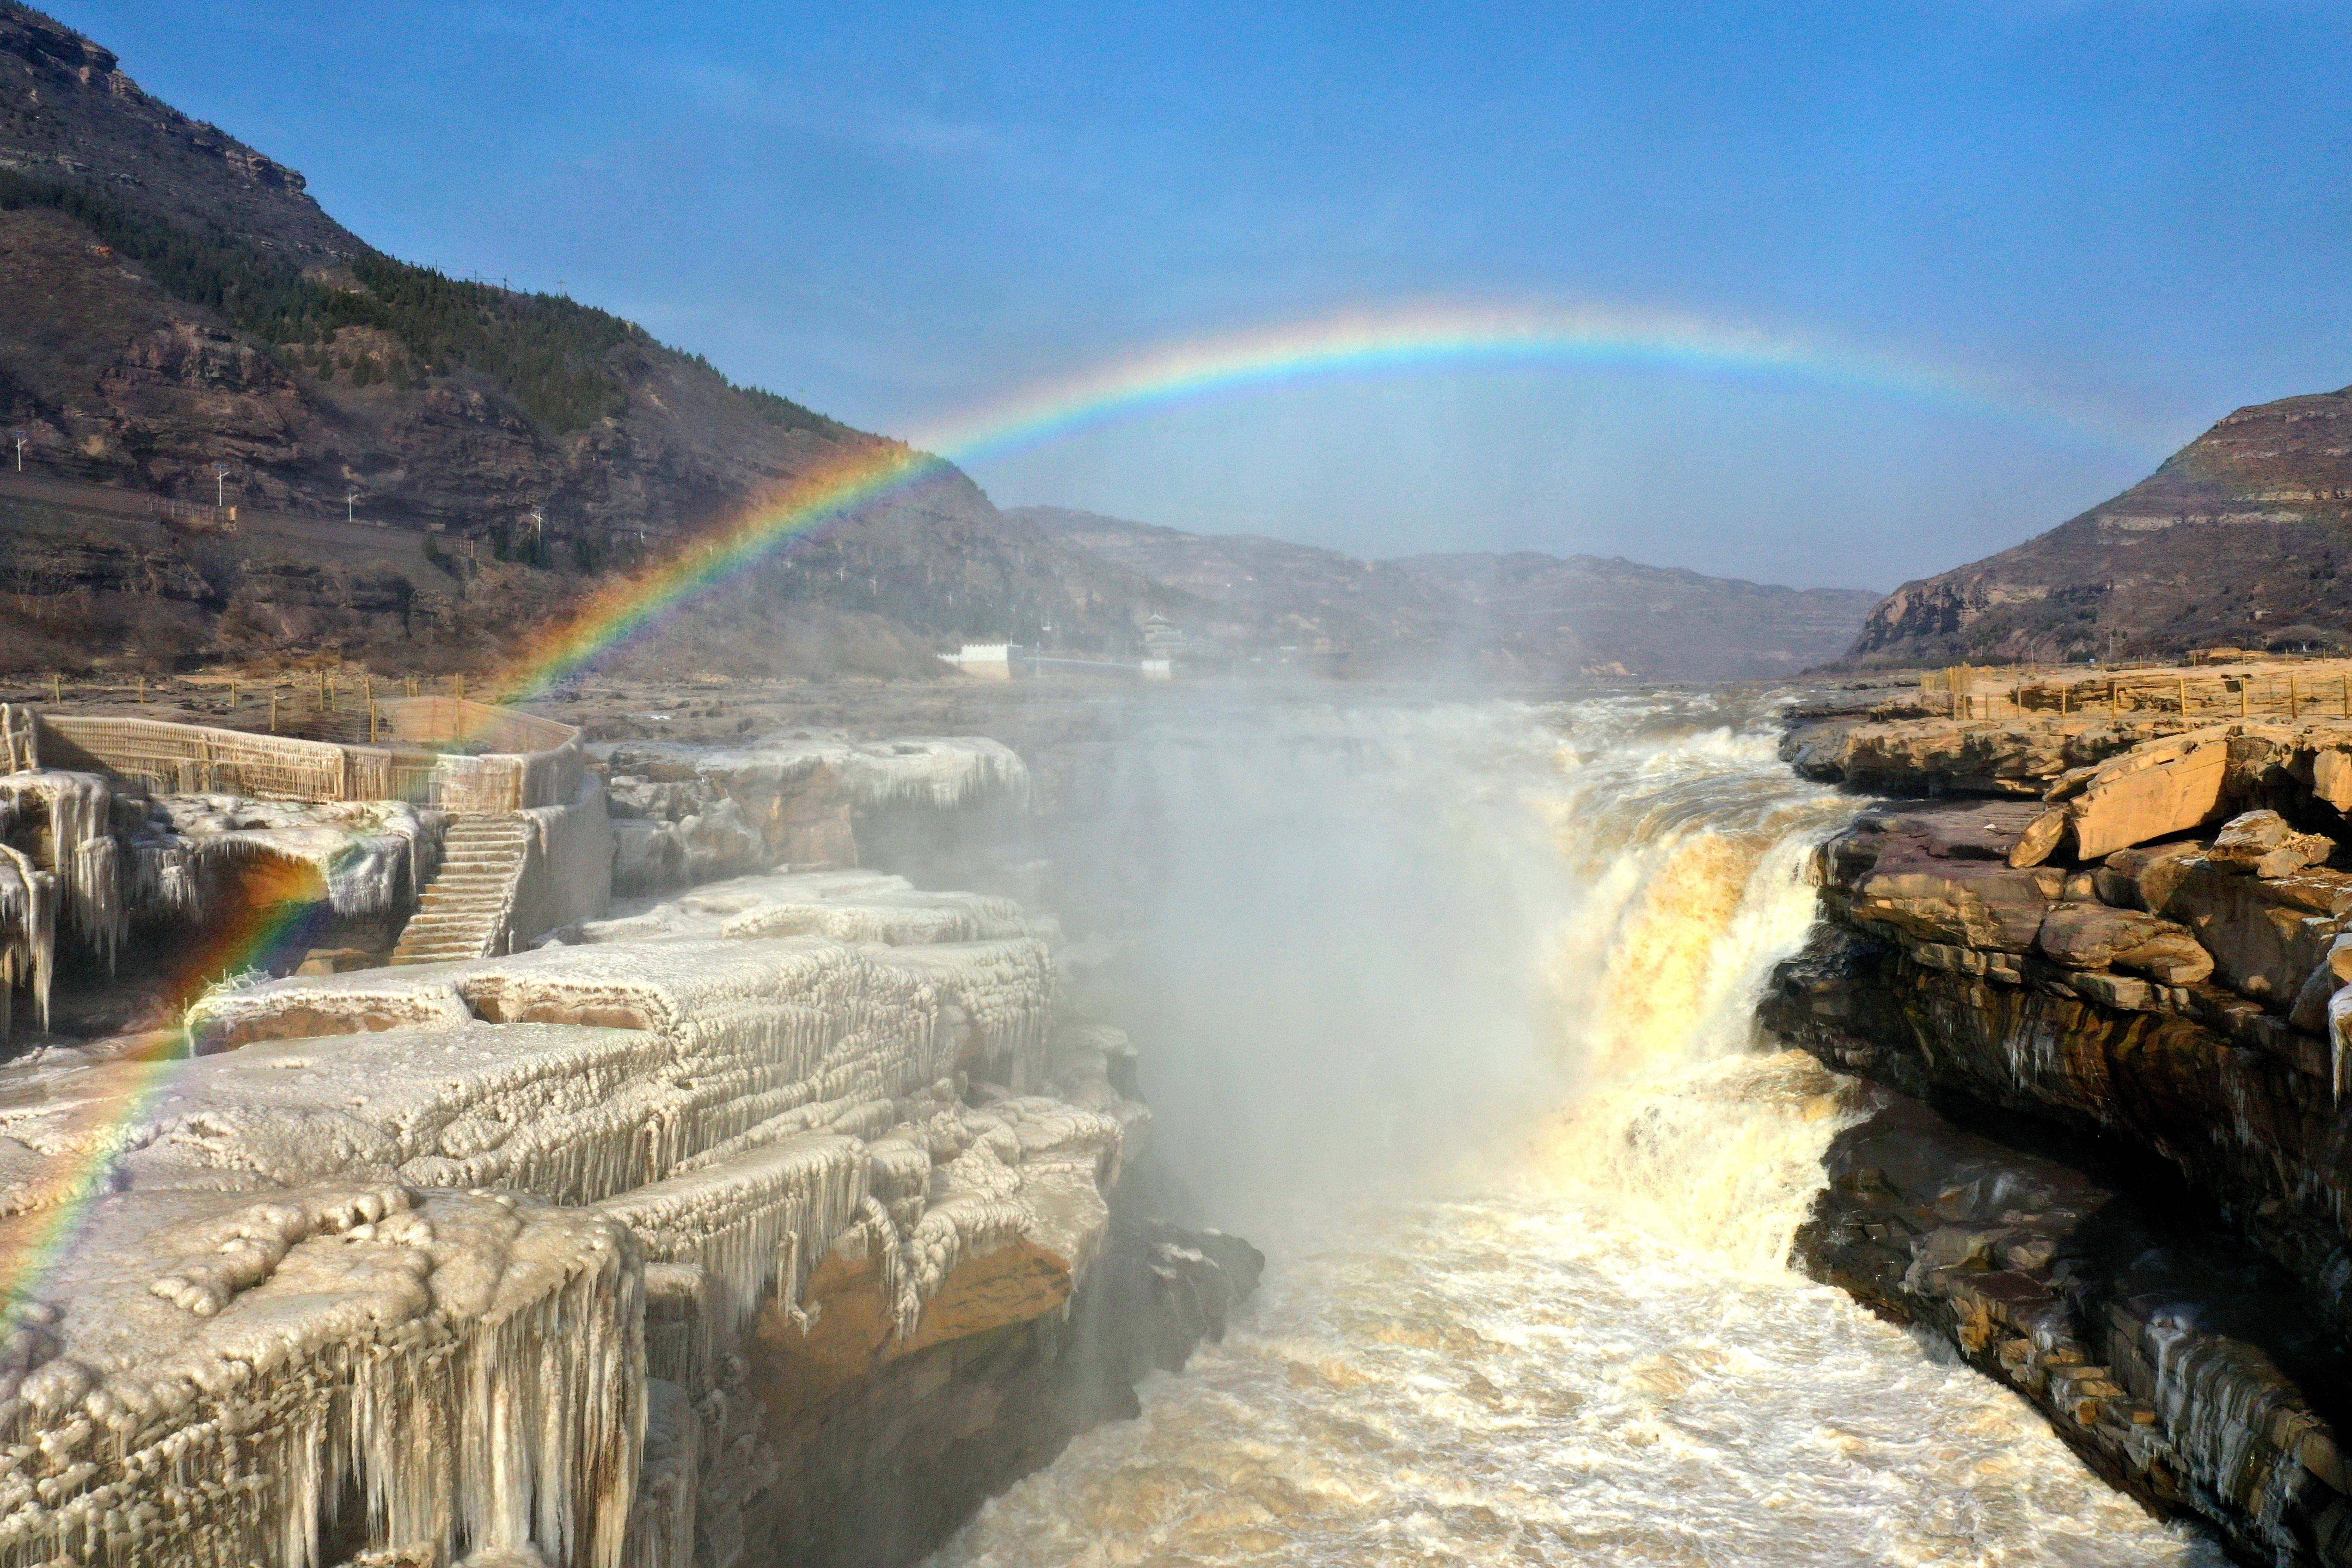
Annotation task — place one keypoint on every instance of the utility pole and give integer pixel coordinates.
(351, 506)
(220, 484)
(20, 454)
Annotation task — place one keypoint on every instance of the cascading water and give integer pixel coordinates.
(1455, 1011)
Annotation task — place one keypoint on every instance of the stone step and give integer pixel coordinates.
(460, 912)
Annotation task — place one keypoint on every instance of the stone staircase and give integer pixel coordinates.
(464, 909)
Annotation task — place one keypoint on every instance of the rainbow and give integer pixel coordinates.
(1413, 340)
(1392, 343)
(40, 1235)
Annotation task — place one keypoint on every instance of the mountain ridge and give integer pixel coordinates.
(2243, 538)
(1522, 614)
(172, 299)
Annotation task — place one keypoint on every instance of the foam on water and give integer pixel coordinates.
(1588, 1349)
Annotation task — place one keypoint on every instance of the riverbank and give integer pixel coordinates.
(2090, 963)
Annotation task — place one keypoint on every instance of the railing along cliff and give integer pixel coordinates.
(544, 768)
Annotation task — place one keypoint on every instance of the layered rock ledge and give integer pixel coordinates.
(2121, 950)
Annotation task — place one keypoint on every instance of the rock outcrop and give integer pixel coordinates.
(2133, 989)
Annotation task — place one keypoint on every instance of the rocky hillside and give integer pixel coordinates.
(2240, 540)
(1521, 616)
(171, 298)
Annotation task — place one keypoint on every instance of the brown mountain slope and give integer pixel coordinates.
(1523, 616)
(171, 298)
(2243, 538)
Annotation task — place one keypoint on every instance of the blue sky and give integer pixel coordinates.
(2136, 215)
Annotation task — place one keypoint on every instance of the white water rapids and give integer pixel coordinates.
(1459, 1005)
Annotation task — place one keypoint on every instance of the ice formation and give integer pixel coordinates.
(944, 773)
(371, 856)
(454, 1235)
(75, 814)
(689, 814)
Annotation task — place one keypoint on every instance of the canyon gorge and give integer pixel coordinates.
(1661, 1119)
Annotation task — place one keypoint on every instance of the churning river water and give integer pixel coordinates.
(1454, 1012)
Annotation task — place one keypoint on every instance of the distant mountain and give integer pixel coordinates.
(1523, 616)
(171, 298)
(2242, 539)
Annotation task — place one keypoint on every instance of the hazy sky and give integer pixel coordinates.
(2124, 219)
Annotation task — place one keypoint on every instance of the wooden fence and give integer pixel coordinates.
(2292, 697)
(197, 759)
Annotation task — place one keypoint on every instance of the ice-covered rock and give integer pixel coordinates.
(793, 800)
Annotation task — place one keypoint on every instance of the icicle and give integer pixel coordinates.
(28, 923)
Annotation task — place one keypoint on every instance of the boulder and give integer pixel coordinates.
(2331, 776)
(2143, 877)
(2089, 936)
(2093, 936)
(2264, 941)
(1976, 904)
(2267, 845)
(2154, 792)
(2169, 958)
(2041, 838)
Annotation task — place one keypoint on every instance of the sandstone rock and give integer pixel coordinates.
(2180, 1374)
(2267, 845)
(2143, 879)
(1965, 905)
(2116, 991)
(2041, 838)
(2152, 791)
(2264, 940)
(2169, 958)
(2091, 936)
(2331, 776)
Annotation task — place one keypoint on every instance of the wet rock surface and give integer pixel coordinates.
(2185, 1369)
(2141, 972)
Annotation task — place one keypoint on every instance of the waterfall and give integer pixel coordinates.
(1484, 978)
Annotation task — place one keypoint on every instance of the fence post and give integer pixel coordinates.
(2184, 696)
(273, 710)
(56, 686)
(2293, 697)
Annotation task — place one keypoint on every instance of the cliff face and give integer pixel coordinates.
(1524, 615)
(171, 298)
(2239, 540)
(785, 1219)
(2121, 971)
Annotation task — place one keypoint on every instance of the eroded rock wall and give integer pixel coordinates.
(2119, 964)
(689, 1243)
